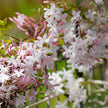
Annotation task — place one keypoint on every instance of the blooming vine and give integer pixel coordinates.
(79, 36)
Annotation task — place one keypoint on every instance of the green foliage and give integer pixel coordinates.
(61, 42)
(60, 65)
(42, 105)
(97, 99)
(53, 102)
(3, 22)
(2, 52)
(79, 2)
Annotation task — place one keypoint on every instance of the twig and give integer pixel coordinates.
(98, 82)
(42, 101)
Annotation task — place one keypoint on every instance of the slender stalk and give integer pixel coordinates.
(98, 82)
(42, 101)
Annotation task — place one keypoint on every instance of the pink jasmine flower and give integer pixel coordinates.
(29, 25)
(19, 100)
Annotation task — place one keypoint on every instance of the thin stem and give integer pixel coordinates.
(42, 101)
(98, 82)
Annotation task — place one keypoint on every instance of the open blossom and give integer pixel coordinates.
(20, 18)
(55, 19)
(18, 73)
(4, 77)
(65, 79)
(84, 46)
(96, 17)
(54, 14)
(61, 105)
(99, 2)
(56, 80)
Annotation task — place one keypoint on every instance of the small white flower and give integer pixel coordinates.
(4, 77)
(99, 2)
(20, 100)
(18, 73)
(61, 105)
(20, 19)
(55, 78)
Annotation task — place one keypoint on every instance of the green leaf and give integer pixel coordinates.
(53, 103)
(61, 42)
(69, 2)
(42, 105)
(9, 26)
(62, 98)
(30, 85)
(3, 22)
(2, 52)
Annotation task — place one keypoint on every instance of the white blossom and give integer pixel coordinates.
(99, 2)
(61, 105)
(18, 73)
(20, 19)
(88, 46)
(4, 77)
(65, 79)
(20, 100)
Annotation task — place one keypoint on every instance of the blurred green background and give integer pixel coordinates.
(8, 9)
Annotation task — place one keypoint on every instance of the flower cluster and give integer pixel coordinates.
(85, 43)
(99, 2)
(65, 83)
(24, 66)
(55, 20)
(25, 70)
(84, 35)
